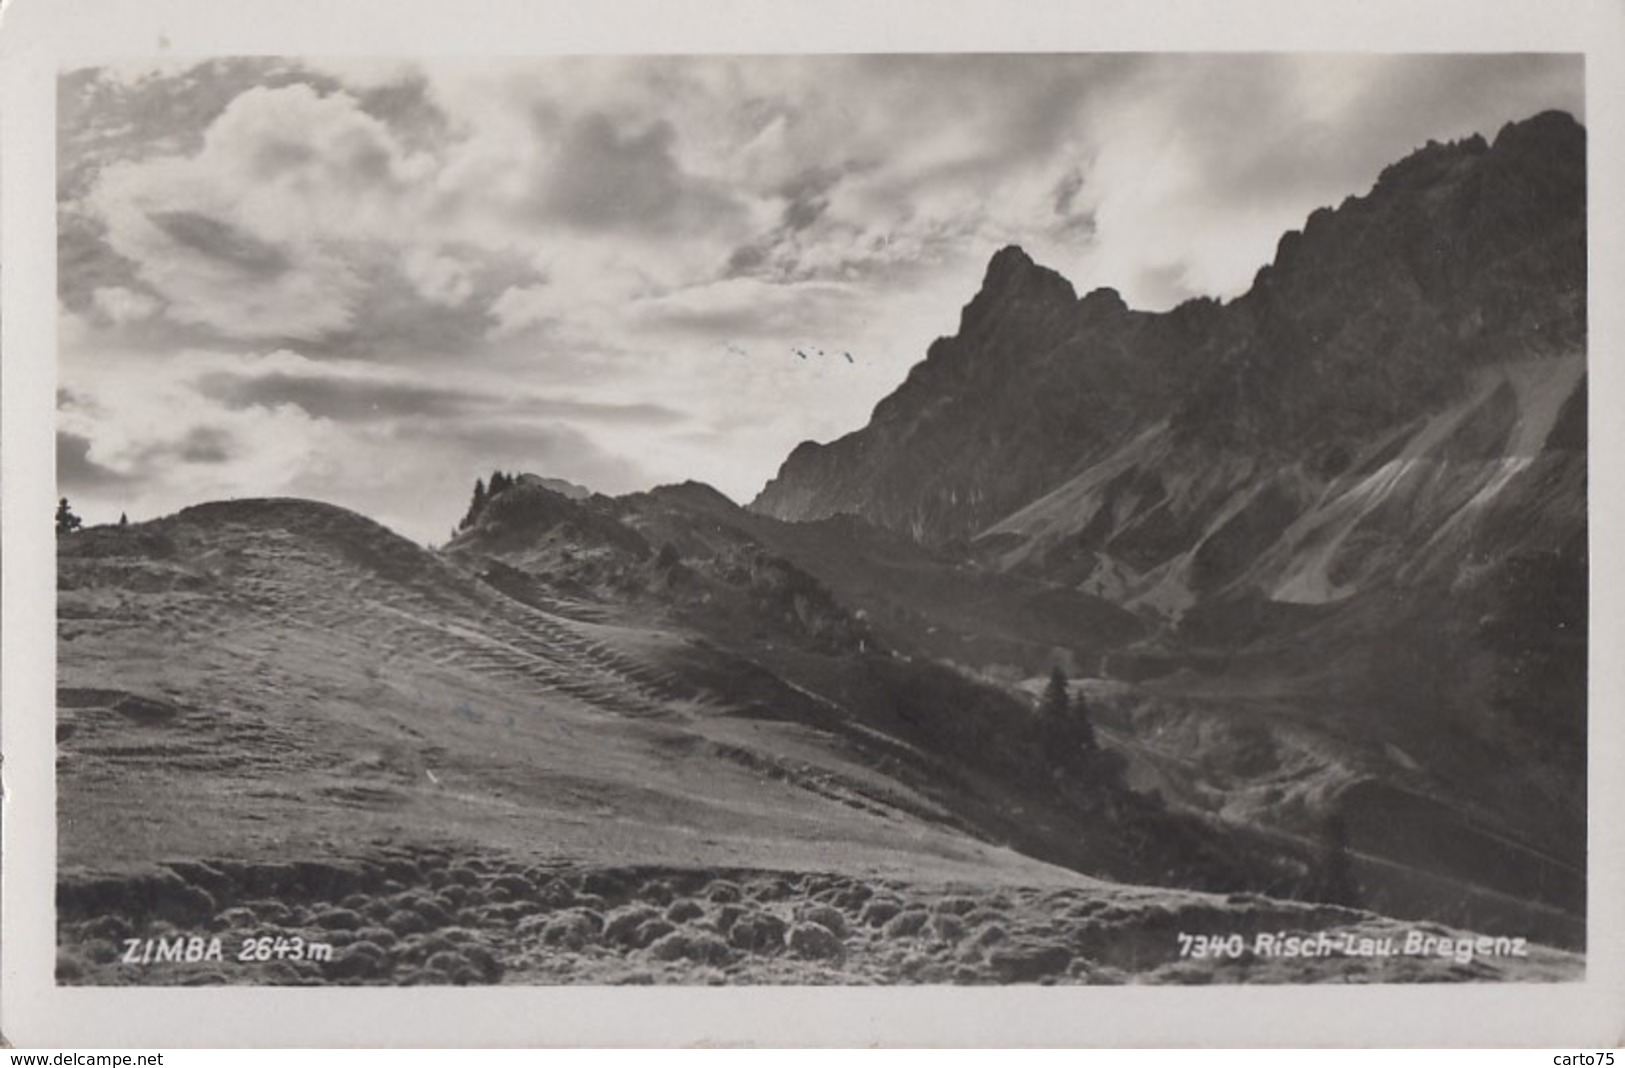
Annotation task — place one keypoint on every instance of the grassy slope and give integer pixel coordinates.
(346, 729)
(1261, 717)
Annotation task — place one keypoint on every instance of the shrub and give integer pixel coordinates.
(850, 898)
(359, 960)
(447, 961)
(238, 917)
(555, 893)
(516, 885)
(490, 969)
(700, 947)
(605, 883)
(907, 924)
(339, 920)
(683, 910)
(879, 911)
(814, 941)
(651, 931)
(66, 521)
(726, 916)
(826, 916)
(657, 893)
(623, 925)
(757, 932)
(572, 930)
(947, 927)
(406, 922)
(723, 892)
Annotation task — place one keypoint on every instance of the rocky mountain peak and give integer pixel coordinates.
(1011, 270)
(1015, 283)
(1549, 129)
(1464, 255)
(1103, 301)
(1429, 165)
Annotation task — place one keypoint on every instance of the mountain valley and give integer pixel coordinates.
(1311, 563)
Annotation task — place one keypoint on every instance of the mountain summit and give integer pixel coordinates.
(1462, 256)
(1348, 508)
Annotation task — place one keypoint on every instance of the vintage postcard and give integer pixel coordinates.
(680, 538)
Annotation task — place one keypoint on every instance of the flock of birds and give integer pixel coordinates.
(805, 354)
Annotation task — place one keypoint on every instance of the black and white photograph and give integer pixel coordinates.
(932, 518)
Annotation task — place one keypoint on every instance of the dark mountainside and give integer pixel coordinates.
(1374, 314)
(1314, 562)
(1348, 508)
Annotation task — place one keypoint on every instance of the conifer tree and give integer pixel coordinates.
(66, 521)
(1083, 728)
(476, 506)
(1054, 728)
(1052, 707)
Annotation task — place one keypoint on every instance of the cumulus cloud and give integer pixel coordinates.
(123, 305)
(268, 229)
(439, 278)
(148, 436)
(128, 426)
(76, 471)
(610, 179)
(1199, 163)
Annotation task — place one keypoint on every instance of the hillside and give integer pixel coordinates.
(278, 718)
(1347, 512)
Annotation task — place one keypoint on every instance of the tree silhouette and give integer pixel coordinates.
(66, 521)
(475, 506)
(484, 494)
(1055, 722)
(123, 519)
(1083, 727)
(1067, 735)
(1052, 707)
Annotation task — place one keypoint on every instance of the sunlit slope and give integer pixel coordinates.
(276, 716)
(261, 676)
(1160, 526)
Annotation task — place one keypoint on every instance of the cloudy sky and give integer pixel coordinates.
(368, 282)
